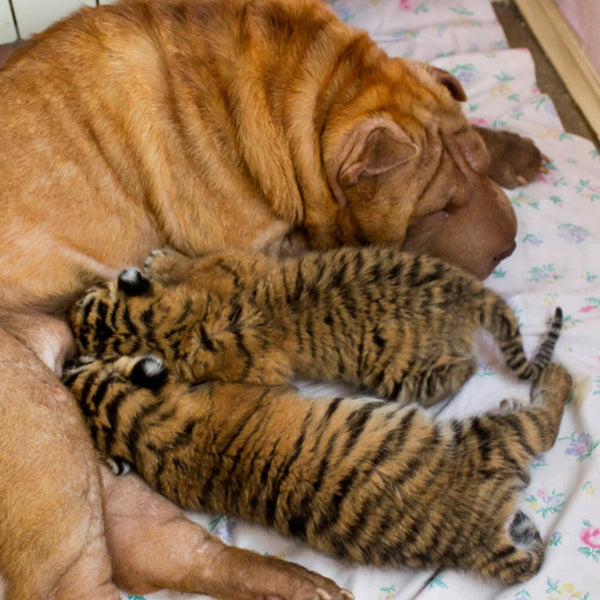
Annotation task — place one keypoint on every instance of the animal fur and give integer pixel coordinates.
(206, 125)
(398, 324)
(362, 481)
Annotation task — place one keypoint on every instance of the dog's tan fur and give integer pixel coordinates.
(204, 125)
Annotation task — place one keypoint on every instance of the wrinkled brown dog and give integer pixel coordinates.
(203, 125)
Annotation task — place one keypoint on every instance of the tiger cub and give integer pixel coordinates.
(397, 324)
(366, 481)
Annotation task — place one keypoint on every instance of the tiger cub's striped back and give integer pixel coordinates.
(397, 324)
(371, 482)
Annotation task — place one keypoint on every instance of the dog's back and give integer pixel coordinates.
(108, 148)
(208, 125)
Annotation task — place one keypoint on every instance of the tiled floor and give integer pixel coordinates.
(518, 35)
(6, 51)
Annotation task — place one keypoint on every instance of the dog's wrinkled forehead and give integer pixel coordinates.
(439, 113)
(437, 90)
(474, 150)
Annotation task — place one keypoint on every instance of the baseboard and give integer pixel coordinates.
(561, 45)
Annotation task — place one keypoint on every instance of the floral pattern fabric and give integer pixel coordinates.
(557, 262)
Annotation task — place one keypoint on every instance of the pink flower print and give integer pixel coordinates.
(590, 536)
(593, 303)
(412, 5)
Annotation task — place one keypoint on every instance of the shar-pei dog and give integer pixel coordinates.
(199, 124)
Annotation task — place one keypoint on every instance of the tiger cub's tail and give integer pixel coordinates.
(500, 321)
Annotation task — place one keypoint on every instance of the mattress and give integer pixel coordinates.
(557, 262)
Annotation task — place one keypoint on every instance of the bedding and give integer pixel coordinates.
(557, 263)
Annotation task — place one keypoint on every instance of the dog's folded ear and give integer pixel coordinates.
(450, 82)
(375, 146)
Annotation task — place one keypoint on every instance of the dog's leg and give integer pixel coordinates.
(57, 548)
(52, 542)
(153, 546)
(515, 159)
(50, 338)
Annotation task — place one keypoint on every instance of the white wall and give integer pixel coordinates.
(8, 33)
(35, 15)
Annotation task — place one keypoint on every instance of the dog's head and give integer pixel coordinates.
(406, 168)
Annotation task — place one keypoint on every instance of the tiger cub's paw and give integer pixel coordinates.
(523, 531)
(166, 265)
(510, 404)
(148, 371)
(118, 465)
(133, 282)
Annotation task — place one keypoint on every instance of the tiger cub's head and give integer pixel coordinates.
(118, 386)
(85, 376)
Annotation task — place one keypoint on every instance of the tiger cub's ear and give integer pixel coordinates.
(149, 372)
(133, 282)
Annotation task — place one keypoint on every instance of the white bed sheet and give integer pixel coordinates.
(557, 262)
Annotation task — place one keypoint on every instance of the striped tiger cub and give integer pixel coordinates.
(397, 324)
(367, 481)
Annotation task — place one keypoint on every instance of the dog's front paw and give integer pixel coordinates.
(522, 164)
(515, 160)
(273, 577)
(167, 266)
